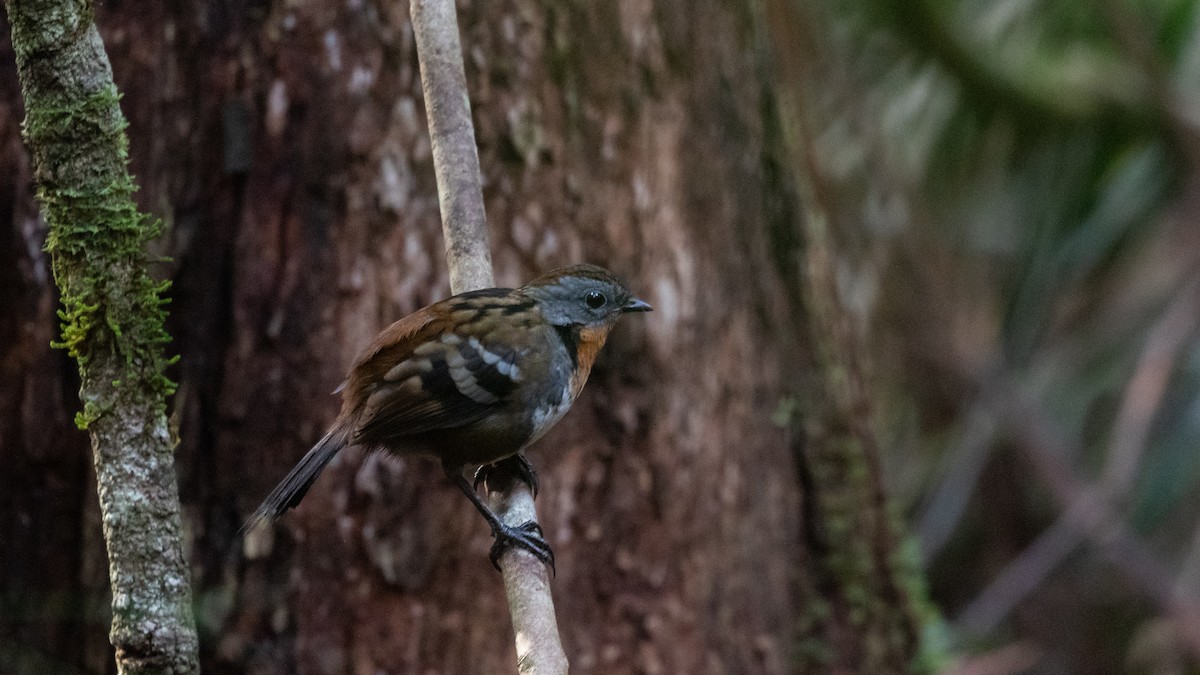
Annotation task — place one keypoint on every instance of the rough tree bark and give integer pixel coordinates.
(112, 324)
(287, 146)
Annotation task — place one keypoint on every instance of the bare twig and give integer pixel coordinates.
(455, 159)
(944, 509)
(1092, 514)
(1166, 342)
(464, 226)
(527, 584)
(1188, 582)
(1088, 509)
(1087, 515)
(1020, 577)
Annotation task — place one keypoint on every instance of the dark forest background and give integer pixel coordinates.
(921, 391)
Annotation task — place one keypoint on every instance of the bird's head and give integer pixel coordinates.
(582, 295)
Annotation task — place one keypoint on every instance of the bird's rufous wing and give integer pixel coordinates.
(434, 369)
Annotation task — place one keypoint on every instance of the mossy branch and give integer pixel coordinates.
(112, 323)
(95, 225)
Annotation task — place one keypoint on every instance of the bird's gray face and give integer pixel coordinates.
(577, 300)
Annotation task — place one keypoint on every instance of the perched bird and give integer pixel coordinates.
(473, 379)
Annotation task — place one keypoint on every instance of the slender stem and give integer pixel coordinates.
(455, 159)
(526, 583)
(464, 226)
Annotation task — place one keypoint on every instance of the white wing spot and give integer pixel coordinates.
(506, 367)
(509, 370)
(488, 357)
(466, 384)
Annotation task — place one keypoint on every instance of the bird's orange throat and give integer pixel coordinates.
(591, 340)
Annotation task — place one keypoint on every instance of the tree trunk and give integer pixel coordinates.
(285, 145)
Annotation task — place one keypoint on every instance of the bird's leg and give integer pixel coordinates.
(517, 464)
(527, 535)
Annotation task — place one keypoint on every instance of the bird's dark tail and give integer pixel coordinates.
(291, 489)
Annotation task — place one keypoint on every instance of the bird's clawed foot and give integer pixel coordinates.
(517, 464)
(528, 536)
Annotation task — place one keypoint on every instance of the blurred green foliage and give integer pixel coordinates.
(1017, 186)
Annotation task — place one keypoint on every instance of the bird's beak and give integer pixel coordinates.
(636, 305)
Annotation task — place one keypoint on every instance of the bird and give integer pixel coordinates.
(472, 380)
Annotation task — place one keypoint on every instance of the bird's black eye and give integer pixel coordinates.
(595, 300)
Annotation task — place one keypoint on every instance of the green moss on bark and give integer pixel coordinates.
(112, 324)
(97, 243)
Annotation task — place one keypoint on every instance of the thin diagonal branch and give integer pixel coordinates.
(464, 226)
(1143, 395)
(455, 159)
(1088, 515)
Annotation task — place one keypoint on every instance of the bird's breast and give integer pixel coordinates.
(574, 351)
(549, 411)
